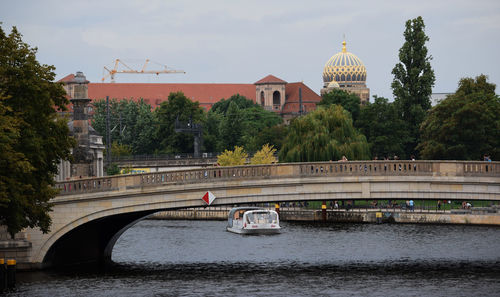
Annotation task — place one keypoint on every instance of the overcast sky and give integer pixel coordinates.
(243, 41)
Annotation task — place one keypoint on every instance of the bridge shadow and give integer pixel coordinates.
(91, 243)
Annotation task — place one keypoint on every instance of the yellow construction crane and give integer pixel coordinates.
(111, 72)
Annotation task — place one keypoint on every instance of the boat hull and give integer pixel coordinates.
(254, 231)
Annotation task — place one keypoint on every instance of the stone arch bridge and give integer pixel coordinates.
(89, 215)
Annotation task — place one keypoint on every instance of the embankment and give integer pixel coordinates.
(353, 216)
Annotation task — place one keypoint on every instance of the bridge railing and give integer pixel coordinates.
(299, 170)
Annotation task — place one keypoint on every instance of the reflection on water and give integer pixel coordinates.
(199, 258)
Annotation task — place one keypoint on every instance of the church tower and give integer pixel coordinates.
(270, 93)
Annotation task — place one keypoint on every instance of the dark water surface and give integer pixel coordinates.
(199, 258)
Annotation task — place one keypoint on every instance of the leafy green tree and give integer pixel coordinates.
(99, 119)
(33, 137)
(322, 135)
(113, 169)
(384, 130)
(177, 106)
(131, 123)
(240, 121)
(231, 127)
(264, 156)
(236, 157)
(211, 133)
(348, 101)
(465, 125)
(274, 135)
(120, 150)
(413, 81)
(241, 101)
(139, 132)
(254, 120)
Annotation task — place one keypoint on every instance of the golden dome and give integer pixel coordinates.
(344, 68)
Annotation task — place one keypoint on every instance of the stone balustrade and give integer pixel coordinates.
(299, 170)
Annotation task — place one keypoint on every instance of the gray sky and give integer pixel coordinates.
(243, 41)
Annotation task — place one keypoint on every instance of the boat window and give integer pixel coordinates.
(250, 218)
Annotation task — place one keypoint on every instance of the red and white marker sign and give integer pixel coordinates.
(208, 198)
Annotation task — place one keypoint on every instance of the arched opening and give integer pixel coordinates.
(342, 78)
(276, 100)
(262, 98)
(349, 77)
(92, 242)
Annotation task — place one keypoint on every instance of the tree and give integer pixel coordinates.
(413, 81)
(211, 133)
(120, 150)
(132, 124)
(240, 121)
(348, 101)
(33, 137)
(236, 157)
(384, 130)
(465, 125)
(241, 101)
(231, 127)
(322, 135)
(254, 120)
(264, 156)
(179, 107)
(274, 135)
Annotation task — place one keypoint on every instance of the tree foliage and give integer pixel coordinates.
(264, 156)
(236, 157)
(132, 124)
(413, 81)
(348, 101)
(231, 127)
(274, 136)
(238, 121)
(322, 135)
(177, 106)
(384, 130)
(33, 137)
(465, 125)
(241, 101)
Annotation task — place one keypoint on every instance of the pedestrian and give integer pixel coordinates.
(411, 205)
(407, 205)
(439, 204)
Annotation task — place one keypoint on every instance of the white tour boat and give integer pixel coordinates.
(253, 220)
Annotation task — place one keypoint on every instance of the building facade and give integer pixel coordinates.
(274, 94)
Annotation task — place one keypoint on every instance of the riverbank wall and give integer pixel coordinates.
(484, 216)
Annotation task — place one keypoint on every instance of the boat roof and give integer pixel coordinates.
(244, 208)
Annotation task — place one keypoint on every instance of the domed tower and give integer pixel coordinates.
(345, 71)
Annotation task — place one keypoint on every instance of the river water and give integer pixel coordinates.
(199, 258)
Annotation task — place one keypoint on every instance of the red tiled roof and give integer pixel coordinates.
(270, 79)
(154, 93)
(69, 77)
(309, 97)
(204, 93)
